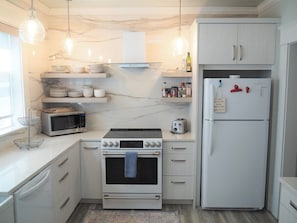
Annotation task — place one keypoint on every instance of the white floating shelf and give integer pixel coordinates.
(73, 75)
(176, 74)
(76, 100)
(177, 100)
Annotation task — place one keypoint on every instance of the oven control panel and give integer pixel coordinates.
(131, 144)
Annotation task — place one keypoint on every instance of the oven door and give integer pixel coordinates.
(149, 172)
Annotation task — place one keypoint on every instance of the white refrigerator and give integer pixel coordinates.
(235, 141)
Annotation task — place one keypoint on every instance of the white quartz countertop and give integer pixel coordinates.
(18, 166)
(290, 182)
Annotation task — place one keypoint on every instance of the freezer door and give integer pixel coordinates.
(234, 164)
(236, 98)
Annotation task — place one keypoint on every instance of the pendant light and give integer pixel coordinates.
(68, 40)
(179, 43)
(31, 30)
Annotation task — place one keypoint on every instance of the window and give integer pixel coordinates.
(11, 83)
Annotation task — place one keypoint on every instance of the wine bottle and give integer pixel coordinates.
(188, 63)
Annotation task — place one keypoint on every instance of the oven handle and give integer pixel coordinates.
(156, 153)
(157, 197)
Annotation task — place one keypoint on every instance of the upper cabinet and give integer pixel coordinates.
(225, 41)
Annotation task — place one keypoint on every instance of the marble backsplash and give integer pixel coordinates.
(135, 92)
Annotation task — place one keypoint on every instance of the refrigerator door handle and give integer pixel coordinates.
(210, 139)
(211, 104)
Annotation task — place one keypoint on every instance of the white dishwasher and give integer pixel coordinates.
(33, 202)
(6, 209)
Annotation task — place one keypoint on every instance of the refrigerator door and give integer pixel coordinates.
(236, 98)
(234, 164)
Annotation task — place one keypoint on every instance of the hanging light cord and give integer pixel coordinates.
(68, 18)
(179, 29)
(32, 8)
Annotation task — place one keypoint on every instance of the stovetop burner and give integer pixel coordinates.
(134, 133)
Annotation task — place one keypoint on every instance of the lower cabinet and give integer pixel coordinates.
(288, 201)
(66, 184)
(178, 170)
(90, 170)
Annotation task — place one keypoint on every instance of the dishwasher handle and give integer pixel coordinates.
(43, 180)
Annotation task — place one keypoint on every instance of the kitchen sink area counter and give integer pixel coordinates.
(18, 166)
(167, 135)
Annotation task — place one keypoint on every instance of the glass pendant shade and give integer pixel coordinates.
(180, 46)
(68, 45)
(31, 30)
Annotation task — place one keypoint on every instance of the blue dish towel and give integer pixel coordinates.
(130, 164)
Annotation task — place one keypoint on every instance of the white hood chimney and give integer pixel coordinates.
(134, 49)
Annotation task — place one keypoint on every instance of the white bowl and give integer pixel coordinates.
(99, 93)
(88, 92)
(77, 69)
(60, 68)
(95, 68)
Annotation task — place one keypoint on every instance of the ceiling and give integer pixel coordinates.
(149, 3)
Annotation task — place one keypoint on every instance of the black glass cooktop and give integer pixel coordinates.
(133, 133)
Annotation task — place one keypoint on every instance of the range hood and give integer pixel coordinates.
(134, 50)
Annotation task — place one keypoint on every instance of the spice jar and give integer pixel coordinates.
(174, 91)
(189, 89)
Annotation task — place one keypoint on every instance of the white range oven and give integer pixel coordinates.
(142, 190)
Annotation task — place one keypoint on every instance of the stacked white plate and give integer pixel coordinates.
(75, 94)
(58, 92)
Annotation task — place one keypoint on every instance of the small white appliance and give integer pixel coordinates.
(179, 126)
(234, 142)
(62, 123)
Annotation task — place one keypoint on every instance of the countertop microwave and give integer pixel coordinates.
(53, 124)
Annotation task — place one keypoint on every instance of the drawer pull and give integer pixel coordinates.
(64, 177)
(178, 160)
(178, 148)
(65, 203)
(293, 205)
(178, 182)
(90, 148)
(63, 162)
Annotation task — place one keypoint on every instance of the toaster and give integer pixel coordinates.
(179, 126)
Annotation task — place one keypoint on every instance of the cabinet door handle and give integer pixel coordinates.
(90, 148)
(233, 52)
(64, 177)
(293, 205)
(65, 203)
(178, 148)
(63, 162)
(178, 182)
(240, 52)
(178, 160)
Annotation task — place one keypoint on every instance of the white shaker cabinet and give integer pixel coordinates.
(236, 43)
(178, 170)
(66, 185)
(90, 170)
(288, 201)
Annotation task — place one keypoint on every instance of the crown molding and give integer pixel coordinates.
(267, 4)
(156, 11)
